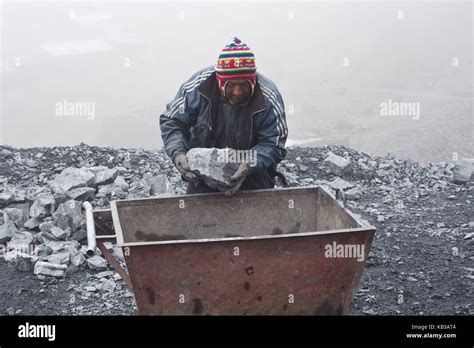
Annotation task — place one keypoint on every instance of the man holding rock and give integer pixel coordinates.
(229, 105)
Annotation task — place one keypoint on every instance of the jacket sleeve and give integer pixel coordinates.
(179, 116)
(271, 137)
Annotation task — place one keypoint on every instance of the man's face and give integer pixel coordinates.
(237, 91)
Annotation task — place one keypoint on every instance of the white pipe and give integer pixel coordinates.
(91, 242)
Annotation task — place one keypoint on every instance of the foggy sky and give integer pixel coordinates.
(334, 64)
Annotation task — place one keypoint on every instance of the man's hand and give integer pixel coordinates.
(230, 192)
(242, 172)
(181, 163)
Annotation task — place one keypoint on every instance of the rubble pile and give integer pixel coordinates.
(42, 222)
(357, 174)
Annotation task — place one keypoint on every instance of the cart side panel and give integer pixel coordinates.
(330, 215)
(252, 213)
(284, 276)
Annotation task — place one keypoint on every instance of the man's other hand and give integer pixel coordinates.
(181, 163)
(242, 172)
(230, 192)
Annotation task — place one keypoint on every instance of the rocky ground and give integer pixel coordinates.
(421, 261)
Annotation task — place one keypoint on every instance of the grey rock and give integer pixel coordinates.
(353, 194)
(10, 256)
(463, 171)
(21, 242)
(105, 176)
(440, 185)
(303, 168)
(211, 166)
(340, 184)
(25, 262)
(62, 221)
(46, 226)
(31, 163)
(386, 166)
(44, 237)
(6, 154)
(17, 216)
(369, 311)
(38, 248)
(50, 269)
(72, 244)
(71, 269)
(118, 253)
(32, 223)
(69, 214)
(81, 194)
(97, 262)
(408, 184)
(161, 185)
(5, 198)
(43, 205)
(71, 178)
(109, 285)
(141, 188)
(118, 189)
(61, 258)
(4, 168)
(19, 202)
(59, 233)
(95, 169)
(469, 235)
(74, 249)
(79, 235)
(337, 165)
(121, 183)
(104, 274)
(55, 245)
(60, 198)
(386, 188)
(6, 231)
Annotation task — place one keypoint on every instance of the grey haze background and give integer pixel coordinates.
(130, 58)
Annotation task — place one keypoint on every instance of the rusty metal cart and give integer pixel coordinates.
(256, 253)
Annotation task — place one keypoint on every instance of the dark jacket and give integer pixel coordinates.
(189, 118)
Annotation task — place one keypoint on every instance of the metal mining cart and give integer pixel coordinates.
(262, 252)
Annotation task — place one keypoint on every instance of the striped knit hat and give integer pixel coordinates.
(236, 62)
